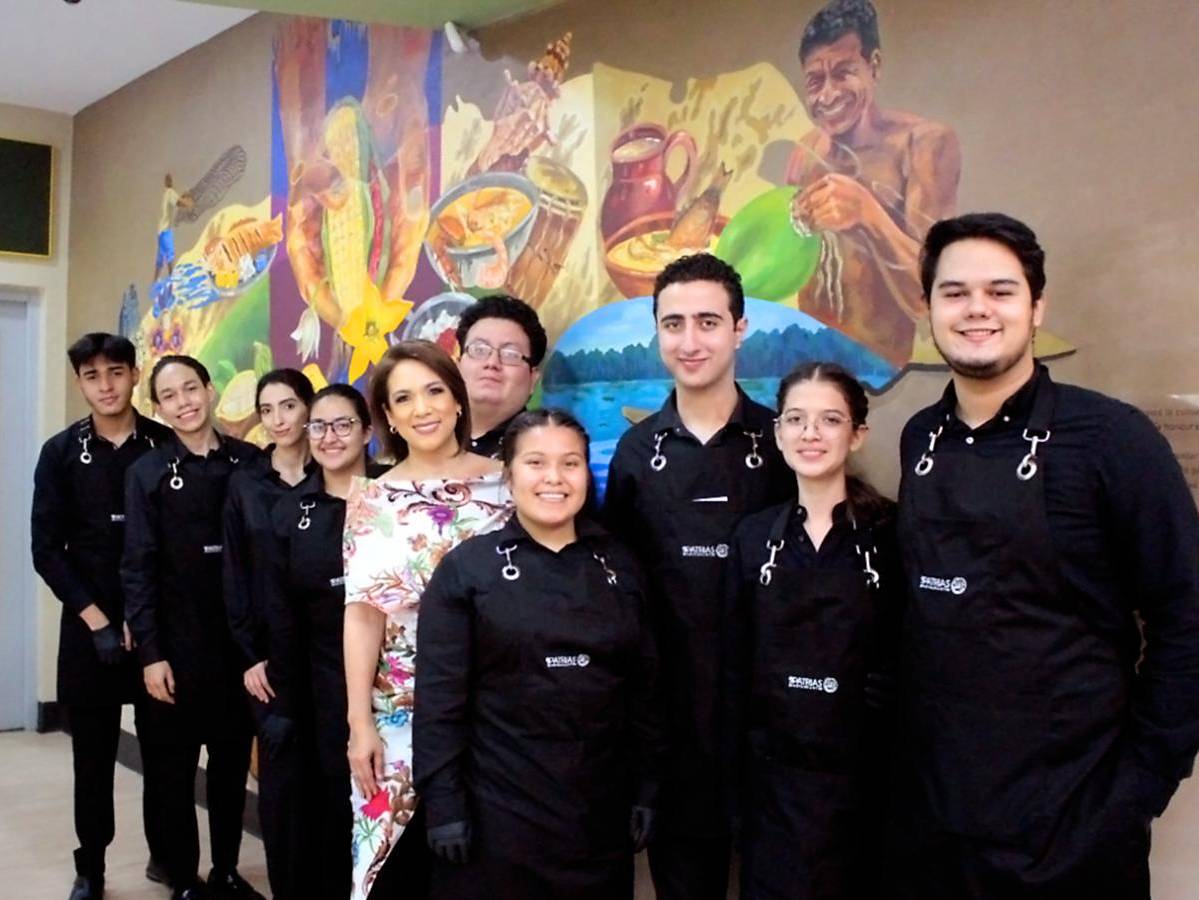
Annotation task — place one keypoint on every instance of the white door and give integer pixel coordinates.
(17, 599)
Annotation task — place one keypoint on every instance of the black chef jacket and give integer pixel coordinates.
(491, 443)
(679, 520)
(303, 610)
(253, 492)
(171, 570)
(1124, 540)
(78, 531)
(535, 711)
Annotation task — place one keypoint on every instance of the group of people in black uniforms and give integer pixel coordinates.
(987, 690)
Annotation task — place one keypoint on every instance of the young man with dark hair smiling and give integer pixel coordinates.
(503, 344)
(678, 484)
(78, 529)
(1051, 547)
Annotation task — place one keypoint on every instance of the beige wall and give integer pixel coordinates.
(47, 280)
(1071, 115)
(178, 118)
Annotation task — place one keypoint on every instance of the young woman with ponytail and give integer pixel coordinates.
(812, 608)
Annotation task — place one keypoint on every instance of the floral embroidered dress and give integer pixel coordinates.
(396, 533)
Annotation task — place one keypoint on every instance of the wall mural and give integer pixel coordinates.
(393, 207)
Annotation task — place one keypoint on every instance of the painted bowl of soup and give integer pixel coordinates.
(637, 252)
(479, 227)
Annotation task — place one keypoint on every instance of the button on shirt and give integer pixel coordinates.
(1126, 534)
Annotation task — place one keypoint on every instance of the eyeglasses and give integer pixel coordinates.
(824, 422)
(342, 427)
(509, 355)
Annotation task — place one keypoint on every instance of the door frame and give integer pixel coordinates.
(24, 581)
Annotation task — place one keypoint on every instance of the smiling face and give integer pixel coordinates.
(333, 452)
(502, 390)
(981, 310)
(815, 431)
(697, 336)
(184, 401)
(548, 476)
(421, 407)
(282, 414)
(839, 83)
(107, 386)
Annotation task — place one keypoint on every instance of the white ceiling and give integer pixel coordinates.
(62, 56)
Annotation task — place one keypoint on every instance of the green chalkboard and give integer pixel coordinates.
(26, 197)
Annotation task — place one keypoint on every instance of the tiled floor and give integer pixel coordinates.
(37, 834)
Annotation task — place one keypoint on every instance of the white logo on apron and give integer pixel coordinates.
(827, 685)
(956, 586)
(581, 661)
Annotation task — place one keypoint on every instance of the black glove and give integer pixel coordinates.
(450, 842)
(880, 690)
(275, 733)
(641, 827)
(109, 642)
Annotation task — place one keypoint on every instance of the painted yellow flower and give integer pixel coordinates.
(367, 328)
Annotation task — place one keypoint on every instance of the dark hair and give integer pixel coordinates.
(101, 343)
(503, 306)
(992, 226)
(837, 19)
(865, 502)
(703, 267)
(429, 354)
(346, 392)
(550, 416)
(291, 378)
(190, 361)
(538, 418)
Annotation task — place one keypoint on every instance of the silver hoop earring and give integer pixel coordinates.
(391, 428)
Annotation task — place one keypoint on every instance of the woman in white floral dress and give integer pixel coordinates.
(398, 527)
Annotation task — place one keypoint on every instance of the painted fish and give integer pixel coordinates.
(247, 237)
(693, 226)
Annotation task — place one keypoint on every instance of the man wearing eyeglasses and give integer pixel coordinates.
(502, 344)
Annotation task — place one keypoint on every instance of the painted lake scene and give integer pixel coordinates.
(607, 371)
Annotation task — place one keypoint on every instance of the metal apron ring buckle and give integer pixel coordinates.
(510, 571)
(608, 573)
(176, 481)
(765, 573)
(924, 465)
(658, 461)
(1028, 465)
(753, 460)
(305, 521)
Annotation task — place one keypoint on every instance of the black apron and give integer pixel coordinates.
(813, 639)
(315, 588)
(992, 642)
(551, 771)
(96, 473)
(210, 700)
(694, 541)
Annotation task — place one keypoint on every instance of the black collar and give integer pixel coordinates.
(670, 420)
(224, 447)
(586, 531)
(1017, 410)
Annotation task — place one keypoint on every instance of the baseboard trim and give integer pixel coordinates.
(49, 716)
